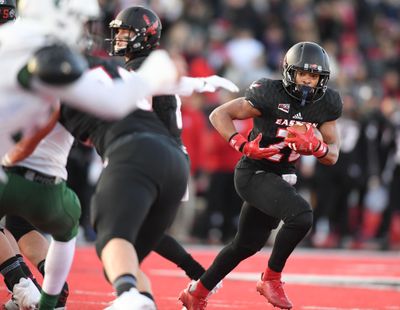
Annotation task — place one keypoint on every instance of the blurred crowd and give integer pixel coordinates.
(357, 201)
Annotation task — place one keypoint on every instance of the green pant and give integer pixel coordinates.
(53, 209)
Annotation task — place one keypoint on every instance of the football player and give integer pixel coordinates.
(265, 175)
(52, 70)
(17, 276)
(41, 69)
(135, 33)
(125, 235)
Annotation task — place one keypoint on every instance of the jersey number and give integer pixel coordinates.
(293, 156)
(5, 13)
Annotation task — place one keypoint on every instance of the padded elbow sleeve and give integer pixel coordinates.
(54, 65)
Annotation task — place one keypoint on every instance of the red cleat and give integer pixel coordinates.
(191, 299)
(273, 291)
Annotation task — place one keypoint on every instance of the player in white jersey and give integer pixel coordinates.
(42, 68)
(51, 207)
(16, 274)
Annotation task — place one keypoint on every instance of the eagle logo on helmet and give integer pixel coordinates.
(152, 29)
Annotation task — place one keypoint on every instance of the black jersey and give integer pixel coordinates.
(167, 107)
(279, 110)
(101, 133)
(83, 126)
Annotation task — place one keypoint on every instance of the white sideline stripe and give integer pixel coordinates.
(304, 252)
(85, 293)
(80, 292)
(335, 280)
(93, 293)
(336, 308)
(229, 303)
(82, 302)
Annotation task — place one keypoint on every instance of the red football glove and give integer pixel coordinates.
(306, 143)
(252, 149)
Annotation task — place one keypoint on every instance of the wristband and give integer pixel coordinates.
(237, 141)
(322, 150)
(234, 134)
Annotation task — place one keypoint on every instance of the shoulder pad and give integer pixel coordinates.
(55, 64)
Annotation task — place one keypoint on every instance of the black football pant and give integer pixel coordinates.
(268, 199)
(139, 192)
(18, 226)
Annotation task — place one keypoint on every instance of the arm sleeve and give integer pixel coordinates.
(90, 95)
(186, 87)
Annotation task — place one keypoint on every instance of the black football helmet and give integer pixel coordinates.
(146, 26)
(310, 57)
(7, 10)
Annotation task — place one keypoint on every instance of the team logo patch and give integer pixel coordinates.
(254, 85)
(312, 67)
(284, 107)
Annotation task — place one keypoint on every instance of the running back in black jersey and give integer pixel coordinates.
(279, 110)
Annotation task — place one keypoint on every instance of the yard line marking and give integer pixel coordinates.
(383, 283)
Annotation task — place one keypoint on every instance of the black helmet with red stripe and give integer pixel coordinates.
(7, 10)
(145, 31)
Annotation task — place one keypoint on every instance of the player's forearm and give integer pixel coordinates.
(89, 95)
(331, 136)
(331, 157)
(186, 86)
(223, 123)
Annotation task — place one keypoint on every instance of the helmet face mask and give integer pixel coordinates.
(7, 11)
(144, 32)
(122, 45)
(307, 57)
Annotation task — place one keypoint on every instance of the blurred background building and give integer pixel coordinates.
(357, 201)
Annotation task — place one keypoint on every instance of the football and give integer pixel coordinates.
(303, 128)
(300, 148)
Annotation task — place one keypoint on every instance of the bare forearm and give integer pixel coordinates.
(331, 157)
(223, 123)
(222, 117)
(332, 139)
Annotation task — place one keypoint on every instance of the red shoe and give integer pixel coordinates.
(273, 291)
(191, 300)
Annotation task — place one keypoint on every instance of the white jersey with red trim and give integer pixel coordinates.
(21, 111)
(50, 156)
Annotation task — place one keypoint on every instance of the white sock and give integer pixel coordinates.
(58, 263)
